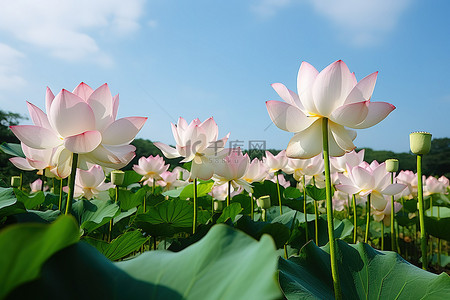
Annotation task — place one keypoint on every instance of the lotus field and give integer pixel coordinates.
(314, 221)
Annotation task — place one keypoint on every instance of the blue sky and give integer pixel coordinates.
(193, 59)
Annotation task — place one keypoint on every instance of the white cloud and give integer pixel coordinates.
(66, 28)
(360, 22)
(10, 61)
(364, 22)
(268, 8)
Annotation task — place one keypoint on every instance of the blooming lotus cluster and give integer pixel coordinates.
(196, 142)
(351, 159)
(277, 162)
(372, 179)
(311, 168)
(171, 180)
(434, 185)
(335, 94)
(151, 168)
(257, 170)
(220, 192)
(82, 122)
(232, 169)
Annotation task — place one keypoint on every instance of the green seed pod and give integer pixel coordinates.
(420, 142)
(263, 202)
(15, 181)
(392, 165)
(117, 177)
(218, 205)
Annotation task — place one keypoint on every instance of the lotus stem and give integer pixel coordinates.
(304, 207)
(111, 222)
(382, 235)
(263, 215)
(21, 181)
(229, 193)
(439, 241)
(252, 206)
(316, 223)
(72, 176)
(194, 225)
(60, 194)
(393, 235)
(278, 191)
(355, 215)
(42, 177)
(326, 161)
(366, 237)
(423, 236)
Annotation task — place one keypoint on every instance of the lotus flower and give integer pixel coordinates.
(281, 180)
(310, 168)
(385, 214)
(277, 162)
(82, 122)
(409, 178)
(91, 184)
(36, 186)
(35, 159)
(333, 93)
(434, 186)
(220, 192)
(353, 158)
(369, 179)
(232, 169)
(169, 180)
(256, 171)
(196, 142)
(150, 168)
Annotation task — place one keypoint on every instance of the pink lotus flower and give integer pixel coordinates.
(340, 200)
(310, 168)
(220, 192)
(232, 169)
(36, 186)
(333, 93)
(196, 142)
(256, 171)
(409, 178)
(35, 159)
(339, 164)
(281, 180)
(169, 180)
(151, 167)
(385, 214)
(91, 184)
(277, 162)
(82, 122)
(435, 186)
(369, 179)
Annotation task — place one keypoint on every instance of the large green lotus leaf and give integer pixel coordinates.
(30, 200)
(244, 201)
(130, 178)
(225, 264)
(128, 200)
(342, 229)
(37, 216)
(230, 212)
(287, 218)
(203, 189)
(438, 228)
(444, 212)
(95, 213)
(25, 247)
(9, 204)
(279, 232)
(12, 149)
(316, 193)
(121, 246)
(364, 272)
(167, 218)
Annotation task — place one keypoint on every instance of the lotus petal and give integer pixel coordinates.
(363, 90)
(83, 91)
(101, 102)
(36, 137)
(288, 117)
(122, 131)
(350, 114)
(84, 142)
(377, 112)
(21, 163)
(307, 143)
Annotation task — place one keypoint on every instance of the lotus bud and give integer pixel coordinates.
(392, 165)
(264, 202)
(117, 177)
(15, 181)
(420, 142)
(218, 205)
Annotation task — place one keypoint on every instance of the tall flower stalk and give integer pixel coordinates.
(72, 176)
(329, 204)
(194, 219)
(368, 206)
(304, 207)
(420, 143)
(355, 215)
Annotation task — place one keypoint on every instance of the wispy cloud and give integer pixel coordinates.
(362, 23)
(10, 62)
(68, 29)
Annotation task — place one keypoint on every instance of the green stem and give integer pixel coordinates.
(263, 214)
(439, 241)
(60, 194)
(382, 235)
(355, 217)
(229, 193)
(41, 177)
(111, 222)
(21, 181)
(73, 173)
(304, 207)
(423, 236)
(278, 191)
(194, 221)
(329, 204)
(316, 224)
(393, 239)
(366, 237)
(252, 206)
